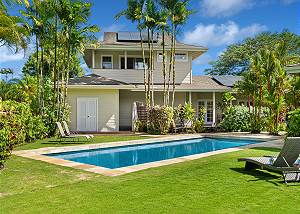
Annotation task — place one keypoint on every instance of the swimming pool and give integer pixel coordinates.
(123, 156)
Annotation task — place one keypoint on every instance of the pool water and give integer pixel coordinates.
(116, 157)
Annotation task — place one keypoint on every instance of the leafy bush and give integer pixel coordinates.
(160, 119)
(236, 118)
(185, 114)
(139, 126)
(198, 124)
(293, 127)
(18, 125)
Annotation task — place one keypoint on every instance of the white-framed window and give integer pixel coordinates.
(106, 62)
(133, 63)
(181, 57)
(208, 105)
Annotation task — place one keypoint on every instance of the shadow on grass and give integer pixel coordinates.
(268, 149)
(260, 175)
(64, 142)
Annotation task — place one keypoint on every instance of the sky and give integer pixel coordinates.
(215, 25)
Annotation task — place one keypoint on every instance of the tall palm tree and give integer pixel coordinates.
(178, 15)
(163, 27)
(13, 31)
(152, 17)
(135, 13)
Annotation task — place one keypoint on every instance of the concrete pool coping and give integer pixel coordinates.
(40, 154)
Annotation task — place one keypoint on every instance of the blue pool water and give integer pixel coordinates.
(116, 157)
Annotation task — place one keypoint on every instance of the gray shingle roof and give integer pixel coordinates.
(203, 83)
(94, 79)
(227, 80)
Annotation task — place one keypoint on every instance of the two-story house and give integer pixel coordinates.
(102, 101)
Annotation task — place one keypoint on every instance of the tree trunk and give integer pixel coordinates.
(170, 68)
(173, 66)
(149, 71)
(69, 46)
(152, 68)
(55, 61)
(144, 62)
(164, 65)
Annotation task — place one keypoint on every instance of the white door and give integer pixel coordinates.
(87, 111)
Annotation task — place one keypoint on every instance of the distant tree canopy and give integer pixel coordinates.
(235, 60)
(29, 67)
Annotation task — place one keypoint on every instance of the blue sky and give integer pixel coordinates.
(216, 24)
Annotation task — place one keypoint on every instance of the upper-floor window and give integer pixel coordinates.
(181, 57)
(134, 63)
(107, 62)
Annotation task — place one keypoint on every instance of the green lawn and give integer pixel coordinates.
(54, 142)
(215, 184)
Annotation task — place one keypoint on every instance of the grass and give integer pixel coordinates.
(54, 142)
(215, 184)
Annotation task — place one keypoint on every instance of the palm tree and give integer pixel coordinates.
(13, 32)
(135, 13)
(178, 15)
(163, 27)
(152, 17)
(74, 17)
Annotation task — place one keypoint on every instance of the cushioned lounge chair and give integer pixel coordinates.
(68, 133)
(284, 162)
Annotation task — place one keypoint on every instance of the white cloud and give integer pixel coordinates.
(112, 28)
(7, 55)
(218, 35)
(224, 7)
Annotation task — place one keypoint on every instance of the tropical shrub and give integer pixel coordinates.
(185, 114)
(198, 124)
(160, 119)
(18, 125)
(139, 126)
(236, 118)
(293, 128)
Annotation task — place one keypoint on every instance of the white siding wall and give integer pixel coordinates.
(182, 69)
(108, 107)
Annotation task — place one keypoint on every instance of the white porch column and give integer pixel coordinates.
(190, 97)
(125, 59)
(93, 59)
(214, 108)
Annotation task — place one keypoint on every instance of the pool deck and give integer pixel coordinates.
(40, 154)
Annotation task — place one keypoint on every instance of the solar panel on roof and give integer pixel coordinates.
(229, 81)
(134, 36)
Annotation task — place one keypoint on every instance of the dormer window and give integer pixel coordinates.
(107, 62)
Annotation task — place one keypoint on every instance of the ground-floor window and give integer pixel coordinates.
(208, 105)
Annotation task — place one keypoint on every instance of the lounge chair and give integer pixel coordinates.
(64, 136)
(68, 133)
(284, 162)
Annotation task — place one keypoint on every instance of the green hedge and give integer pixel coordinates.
(18, 125)
(160, 119)
(293, 127)
(236, 118)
